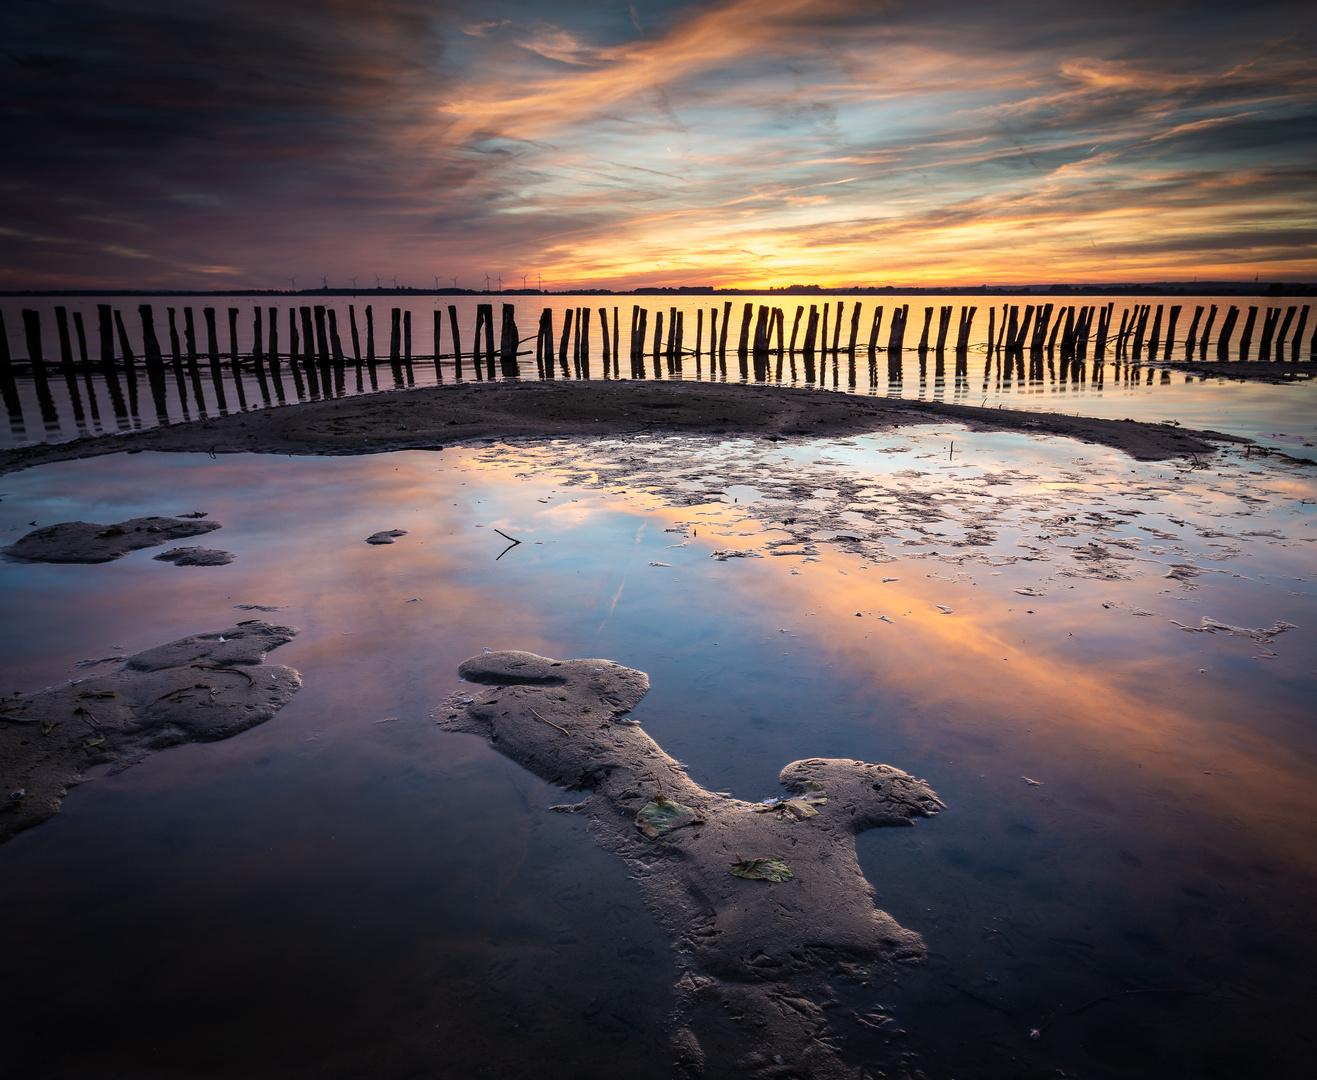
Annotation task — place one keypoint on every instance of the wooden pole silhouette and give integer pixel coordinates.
(457, 341)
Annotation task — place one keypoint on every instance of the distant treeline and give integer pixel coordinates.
(1172, 288)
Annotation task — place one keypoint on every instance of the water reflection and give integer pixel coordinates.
(1163, 838)
(1095, 356)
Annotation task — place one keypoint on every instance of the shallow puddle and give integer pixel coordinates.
(1103, 667)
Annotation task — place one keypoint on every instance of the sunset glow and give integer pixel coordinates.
(736, 144)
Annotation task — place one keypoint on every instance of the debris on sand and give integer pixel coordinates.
(198, 689)
(387, 536)
(196, 556)
(1261, 634)
(740, 946)
(87, 542)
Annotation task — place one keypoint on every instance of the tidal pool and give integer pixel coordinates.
(1103, 667)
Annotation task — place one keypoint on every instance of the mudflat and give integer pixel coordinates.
(433, 417)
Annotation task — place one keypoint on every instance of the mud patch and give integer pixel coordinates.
(197, 689)
(87, 542)
(765, 902)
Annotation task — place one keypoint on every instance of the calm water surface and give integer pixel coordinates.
(348, 891)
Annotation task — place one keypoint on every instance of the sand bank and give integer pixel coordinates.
(438, 416)
(198, 689)
(766, 904)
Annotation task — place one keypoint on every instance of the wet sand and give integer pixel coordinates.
(1245, 370)
(434, 417)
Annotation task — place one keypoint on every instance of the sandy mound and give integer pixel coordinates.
(765, 903)
(197, 689)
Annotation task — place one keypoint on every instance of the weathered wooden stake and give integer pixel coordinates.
(1296, 344)
(1227, 331)
(457, 342)
(1246, 338)
(1207, 333)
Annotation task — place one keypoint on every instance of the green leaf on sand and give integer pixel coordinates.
(762, 870)
(663, 815)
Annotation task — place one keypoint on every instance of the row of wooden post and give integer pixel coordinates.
(316, 356)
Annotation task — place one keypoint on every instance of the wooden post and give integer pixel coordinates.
(943, 326)
(370, 335)
(617, 356)
(273, 353)
(1295, 346)
(1155, 340)
(258, 335)
(963, 329)
(699, 337)
(36, 357)
(1284, 333)
(356, 337)
(1207, 333)
(322, 337)
(658, 342)
(1227, 331)
(1246, 338)
(992, 331)
(836, 329)
(308, 352)
(780, 320)
(743, 344)
(722, 339)
(407, 348)
(1140, 326)
(457, 342)
(438, 326)
(1192, 339)
(8, 388)
(86, 363)
(395, 334)
(811, 330)
(66, 363)
(855, 328)
(477, 352)
(1269, 322)
(489, 339)
(824, 309)
(212, 355)
(874, 328)
(638, 363)
(795, 328)
(896, 341)
(544, 344)
(565, 339)
(1104, 329)
(1121, 333)
(583, 328)
(335, 342)
(603, 334)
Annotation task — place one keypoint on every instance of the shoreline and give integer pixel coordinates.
(434, 417)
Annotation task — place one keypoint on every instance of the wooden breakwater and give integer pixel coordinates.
(308, 358)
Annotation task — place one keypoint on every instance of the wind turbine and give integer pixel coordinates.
(454, 283)
(523, 282)
(293, 282)
(324, 282)
(486, 283)
(436, 282)
(377, 281)
(354, 284)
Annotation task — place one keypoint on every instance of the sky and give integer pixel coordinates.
(220, 144)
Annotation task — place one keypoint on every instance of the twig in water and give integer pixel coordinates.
(551, 723)
(507, 537)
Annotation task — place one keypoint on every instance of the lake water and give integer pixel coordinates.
(1126, 863)
(59, 407)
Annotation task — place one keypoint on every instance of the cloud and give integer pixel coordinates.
(839, 140)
